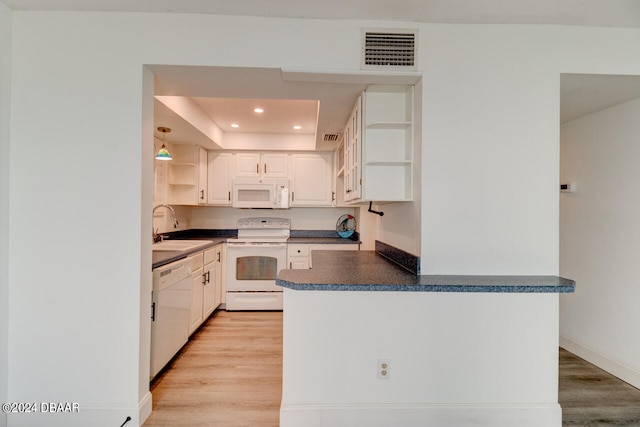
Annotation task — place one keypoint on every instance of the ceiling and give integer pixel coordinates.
(582, 94)
(206, 100)
(609, 13)
(320, 103)
(199, 103)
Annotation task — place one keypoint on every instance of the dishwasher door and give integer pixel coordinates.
(169, 322)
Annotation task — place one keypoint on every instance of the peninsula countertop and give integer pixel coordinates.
(370, 271)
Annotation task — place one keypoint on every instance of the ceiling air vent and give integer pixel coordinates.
(384, 49)
(331, 137)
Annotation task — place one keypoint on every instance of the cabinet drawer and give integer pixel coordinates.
(298, 250)
(210, 256)
(196, 261)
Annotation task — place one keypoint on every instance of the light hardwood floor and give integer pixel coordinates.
(229, 374)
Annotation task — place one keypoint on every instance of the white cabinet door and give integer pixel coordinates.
(275, 165)
(197, 292)
(212, 297)
(262, 164)
(247, 164)
(217, 277)
(312, 180)
(299, 263)
(202, 176)
(219, 179)
(209, 290)
(353, 154)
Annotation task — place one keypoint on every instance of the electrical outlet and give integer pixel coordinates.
(384, 369)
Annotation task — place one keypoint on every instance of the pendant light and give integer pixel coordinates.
(163, 153)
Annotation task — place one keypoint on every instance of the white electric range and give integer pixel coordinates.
(254, 259)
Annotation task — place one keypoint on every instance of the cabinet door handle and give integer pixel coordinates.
(333, 196)
(257, 168)
(153, 312)
(265, 168)
(218, 256)
(201, 194)
(204, 278)
(229, 195)
(290, 267)
(293, 196)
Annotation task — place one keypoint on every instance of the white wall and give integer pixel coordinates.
(490, 150)
(490, 164)
(489, 169)
(600, 239)
(6, 25)
(301, 218)
(80, 80)
(445, 369)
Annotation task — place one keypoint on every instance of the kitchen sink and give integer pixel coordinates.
(179, 245)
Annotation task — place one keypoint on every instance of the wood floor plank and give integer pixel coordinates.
(230, 374)
(590, 396)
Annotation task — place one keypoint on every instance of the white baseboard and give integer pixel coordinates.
(85, 416)
(384, 415)
(144, 408)
(626, 373)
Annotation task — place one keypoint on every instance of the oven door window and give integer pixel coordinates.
(256, 268)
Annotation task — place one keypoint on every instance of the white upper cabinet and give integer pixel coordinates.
(202, 175)
(262, 164)
(379, 150)
(352, 172)
(219, 179)
(312, 179)
(187, 177)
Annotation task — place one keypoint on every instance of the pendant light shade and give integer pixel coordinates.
(163, 153)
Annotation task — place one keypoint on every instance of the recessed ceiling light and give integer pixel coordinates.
(235, 125)
(258, 110)
(297, 127)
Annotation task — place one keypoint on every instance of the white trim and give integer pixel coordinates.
(603, 361)
(145, 407)
(459, 415)
(84, 415)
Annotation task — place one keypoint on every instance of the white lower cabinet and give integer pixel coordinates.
(206, 285)
(299, 255)
(197, 291)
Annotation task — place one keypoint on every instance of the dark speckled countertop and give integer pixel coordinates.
(369, 271)
(321, 240)
(160, 258)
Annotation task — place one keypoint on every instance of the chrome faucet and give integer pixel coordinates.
(173, 214)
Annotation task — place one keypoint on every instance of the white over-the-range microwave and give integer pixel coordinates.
(265, 193)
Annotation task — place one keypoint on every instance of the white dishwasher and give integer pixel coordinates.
(171, 302)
